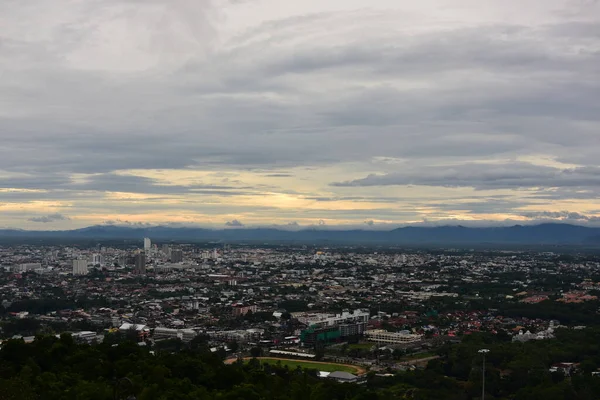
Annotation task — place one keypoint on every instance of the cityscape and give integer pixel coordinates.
(366, 314)
(299, 200)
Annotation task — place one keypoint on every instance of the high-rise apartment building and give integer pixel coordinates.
(80, 267)
(140, 263)
(97, 259)
(147, 244)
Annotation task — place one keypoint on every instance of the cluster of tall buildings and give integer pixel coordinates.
(138, 260)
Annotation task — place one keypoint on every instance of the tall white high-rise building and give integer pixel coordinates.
(147, 244)
(97, 259)
(80, 267)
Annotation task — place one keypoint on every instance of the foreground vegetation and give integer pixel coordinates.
(53, 368)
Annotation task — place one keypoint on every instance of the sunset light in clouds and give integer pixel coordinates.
(344, 113)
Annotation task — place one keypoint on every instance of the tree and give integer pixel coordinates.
(588, 366)
(221, 353)
(286, 316)
(171, 345)
(200, 342)
(344, 348)
(256, 352)
(16, 389)
(319, 354)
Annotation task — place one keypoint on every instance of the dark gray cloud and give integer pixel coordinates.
(138, 184)
(573, 193)
(487, 205)
(64, 187)
(510, 76)
(486, 176)
(234, 223)
(120, 222)
(561, 215)
(279, 175)
(41, 181)
(50, 218)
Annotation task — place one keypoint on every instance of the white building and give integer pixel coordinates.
(29, 267)
(80, 267)
(527, 336)
(383, 336)
(97, 259)
(321, 320)
(186, 335)
(85, 336)
(147, 244)
(140, 328)
(343, 377)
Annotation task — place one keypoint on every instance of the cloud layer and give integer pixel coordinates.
(215, 111)
(50, 218)
(481, 176)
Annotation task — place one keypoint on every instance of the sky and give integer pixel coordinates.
(337, 113)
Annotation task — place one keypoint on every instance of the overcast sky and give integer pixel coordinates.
(229, 113)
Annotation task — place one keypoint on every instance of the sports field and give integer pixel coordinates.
(321, 366)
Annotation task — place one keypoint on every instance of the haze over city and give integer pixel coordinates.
(233, 113)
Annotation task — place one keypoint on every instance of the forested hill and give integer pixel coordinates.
(552, 234)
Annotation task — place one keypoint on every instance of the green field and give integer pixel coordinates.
(293, 364)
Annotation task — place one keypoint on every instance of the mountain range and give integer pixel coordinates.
(543, 234)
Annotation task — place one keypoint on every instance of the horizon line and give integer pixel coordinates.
(299, 228)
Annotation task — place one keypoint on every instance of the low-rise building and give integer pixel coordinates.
(240, 310)
(343, 377)
(383, 336)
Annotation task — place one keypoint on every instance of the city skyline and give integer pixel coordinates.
(233, 113)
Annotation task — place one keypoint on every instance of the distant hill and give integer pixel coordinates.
(543, 234)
